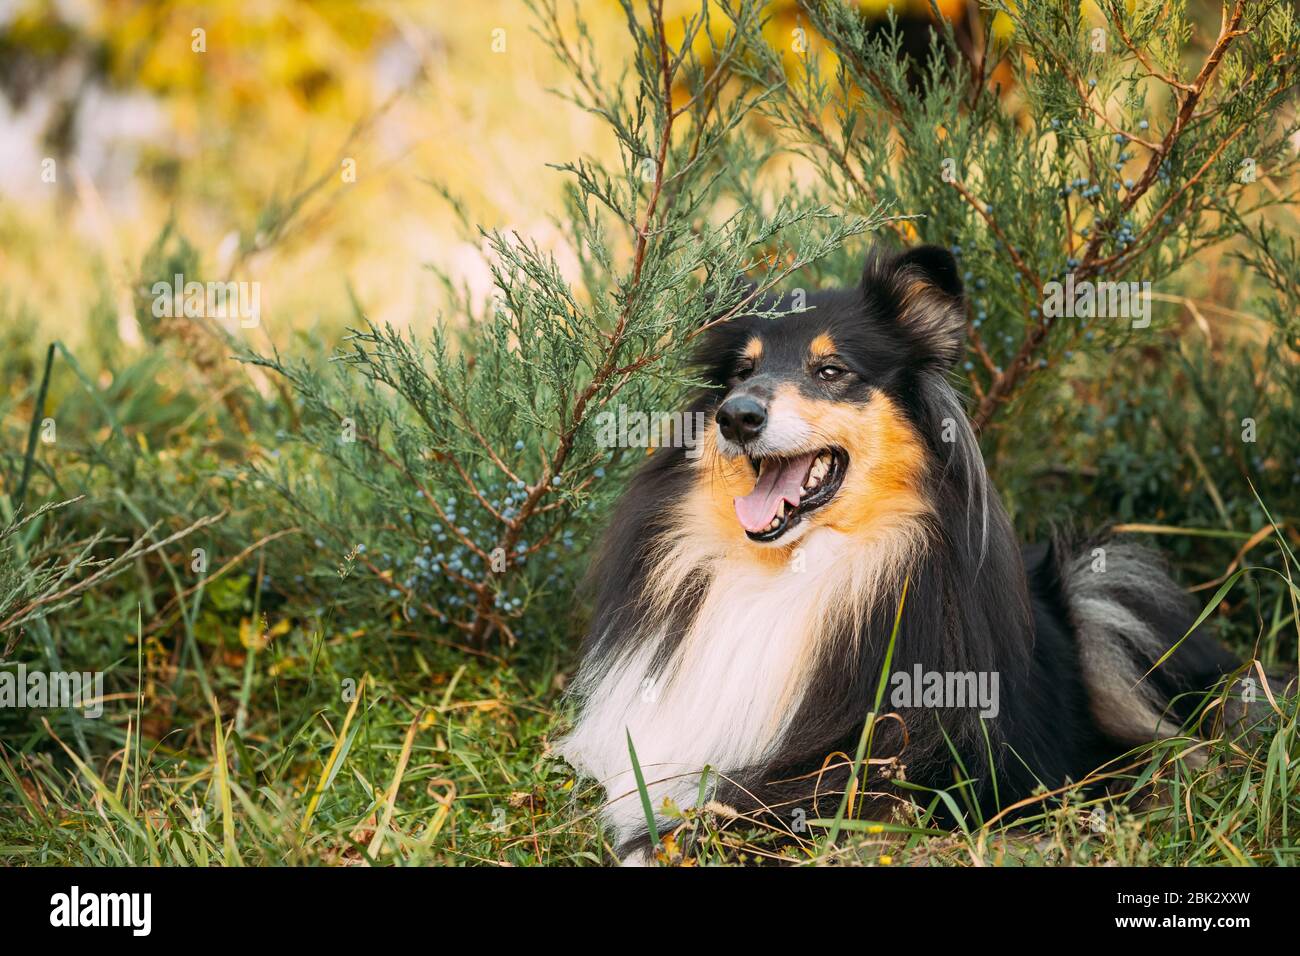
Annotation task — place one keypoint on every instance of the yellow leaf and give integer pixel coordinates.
(1003, 27)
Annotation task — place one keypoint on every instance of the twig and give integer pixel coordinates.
(111, 568)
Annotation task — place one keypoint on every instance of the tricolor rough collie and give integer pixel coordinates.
(746, 594)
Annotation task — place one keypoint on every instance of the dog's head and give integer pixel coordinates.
(814, 414)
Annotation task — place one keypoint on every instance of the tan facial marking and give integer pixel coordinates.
(821, 347)
(886, 464)
(881, 490)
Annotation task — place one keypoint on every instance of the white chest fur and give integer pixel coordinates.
(734, 684)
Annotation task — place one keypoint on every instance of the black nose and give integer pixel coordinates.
(741, 419)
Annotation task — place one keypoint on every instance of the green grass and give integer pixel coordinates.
(423, 772)
(373, 746)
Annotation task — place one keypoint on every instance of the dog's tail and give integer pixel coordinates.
(1127, 612)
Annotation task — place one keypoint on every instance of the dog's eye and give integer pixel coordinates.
(829, 373)
(745, 370)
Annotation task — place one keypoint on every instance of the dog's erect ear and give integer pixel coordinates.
(923, 285)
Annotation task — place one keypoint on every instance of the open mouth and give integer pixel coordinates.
(787, 489)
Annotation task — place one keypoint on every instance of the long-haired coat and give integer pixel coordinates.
(746, 592)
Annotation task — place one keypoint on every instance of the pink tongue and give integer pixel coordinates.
(779, 481)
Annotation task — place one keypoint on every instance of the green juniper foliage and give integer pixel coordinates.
(1121, 156)
(469, 459)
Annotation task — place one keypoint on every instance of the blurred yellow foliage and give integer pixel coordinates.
(788, 30)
